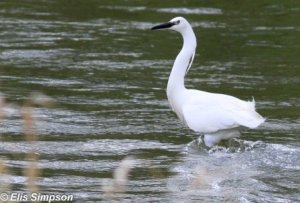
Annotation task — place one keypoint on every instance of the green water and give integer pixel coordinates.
(108, 72)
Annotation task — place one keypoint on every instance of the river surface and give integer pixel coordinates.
(108, 72)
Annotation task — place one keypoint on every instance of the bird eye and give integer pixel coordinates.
(177, 22)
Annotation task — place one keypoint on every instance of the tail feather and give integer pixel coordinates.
(252, 103)
(249, 117)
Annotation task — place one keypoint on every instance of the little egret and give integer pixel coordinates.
(217, 116)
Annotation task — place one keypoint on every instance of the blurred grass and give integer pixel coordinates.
(31, 172)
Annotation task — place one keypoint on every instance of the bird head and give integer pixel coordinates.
(178, 24)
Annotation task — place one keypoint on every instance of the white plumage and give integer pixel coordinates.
(216, 115)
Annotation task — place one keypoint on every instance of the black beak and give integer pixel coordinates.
(163, 26)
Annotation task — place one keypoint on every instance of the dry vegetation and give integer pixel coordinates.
(30, 135)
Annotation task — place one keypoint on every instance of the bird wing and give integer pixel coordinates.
(220, 112)
(207, 118)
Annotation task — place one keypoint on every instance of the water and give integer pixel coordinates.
(108, 73)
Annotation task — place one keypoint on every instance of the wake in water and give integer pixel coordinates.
(228, 146)
(236, 171)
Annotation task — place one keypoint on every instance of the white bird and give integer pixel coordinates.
(217, 116)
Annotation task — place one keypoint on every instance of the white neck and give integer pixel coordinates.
(183, 61)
